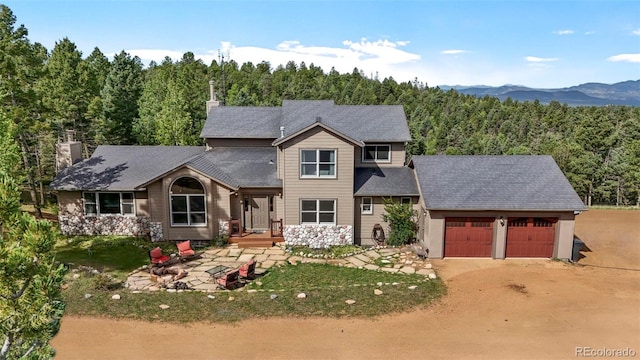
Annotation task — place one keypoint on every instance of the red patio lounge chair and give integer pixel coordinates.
(157, 258)
(229, 280)
(184, 250)
(248, 270)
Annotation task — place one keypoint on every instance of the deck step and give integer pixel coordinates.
(255, 243)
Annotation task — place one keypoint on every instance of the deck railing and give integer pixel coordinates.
(276, 228)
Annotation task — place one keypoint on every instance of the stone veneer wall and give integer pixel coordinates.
(155, 231)
(318, 236)
(108, 225)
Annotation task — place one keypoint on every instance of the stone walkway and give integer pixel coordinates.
(394, 260)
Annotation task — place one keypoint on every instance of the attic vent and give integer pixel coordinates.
(318, 119)
(281, 131)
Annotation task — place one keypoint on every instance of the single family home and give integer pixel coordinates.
(316, 174)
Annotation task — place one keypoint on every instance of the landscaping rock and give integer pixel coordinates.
(164, 307)
(273, 296)
(428, 266)
(171, 290)
(211, 296)
(115, 297)
(251, 291)
(413, 287)
(231, 298)
(379, 283)
(154, 288)
(432, 276)
(302, 296)
(378, 292)
(87, 296)
(350, 302)
(76, 276)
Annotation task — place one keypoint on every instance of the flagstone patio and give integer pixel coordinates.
(394, 260)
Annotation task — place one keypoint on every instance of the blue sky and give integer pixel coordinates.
(544, 44)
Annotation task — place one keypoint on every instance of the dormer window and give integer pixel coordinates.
(376, 153)
(318, 163)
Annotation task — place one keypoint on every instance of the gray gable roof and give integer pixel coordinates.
(518, 182)
(385, 182)
(122, 167)
(239, 167)
(367, 123)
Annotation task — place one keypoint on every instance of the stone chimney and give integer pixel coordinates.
(213, 100)
(68, 152)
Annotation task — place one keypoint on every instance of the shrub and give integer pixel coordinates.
(402, 223)
(221, 240)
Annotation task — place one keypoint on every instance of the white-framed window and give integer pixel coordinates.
(108, 203)
(406, 200)
(318, 163)
(367, 205)
(317, 211)
(376, 153)
(188, 205)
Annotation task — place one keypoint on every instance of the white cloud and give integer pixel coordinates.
(382, 57)
(636, 32)
(453, 52)
(534, 59)
(633, 58)
(590, 32)
(564, 32)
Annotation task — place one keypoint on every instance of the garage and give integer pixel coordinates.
(531, 237)
(468, 237)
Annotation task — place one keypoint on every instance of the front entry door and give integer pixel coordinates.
(259, 211)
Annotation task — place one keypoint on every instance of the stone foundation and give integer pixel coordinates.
(318, 236)
(105, 225)
(155, 231)
(223, 227)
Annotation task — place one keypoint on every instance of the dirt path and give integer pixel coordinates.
(495, 310)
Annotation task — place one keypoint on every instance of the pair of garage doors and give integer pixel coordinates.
(473, 237)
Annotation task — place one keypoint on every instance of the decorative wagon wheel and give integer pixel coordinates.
(377, 234)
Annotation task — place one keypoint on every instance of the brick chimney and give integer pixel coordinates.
(213, 100)
(68, 152)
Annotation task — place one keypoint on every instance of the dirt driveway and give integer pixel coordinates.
(513, 309)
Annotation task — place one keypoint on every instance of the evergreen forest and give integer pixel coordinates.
(120, 101)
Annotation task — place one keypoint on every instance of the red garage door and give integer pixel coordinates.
(470, 237)
(531, 237)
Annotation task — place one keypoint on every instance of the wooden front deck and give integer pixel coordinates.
(260, 239)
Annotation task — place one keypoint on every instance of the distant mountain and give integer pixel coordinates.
(588, 94)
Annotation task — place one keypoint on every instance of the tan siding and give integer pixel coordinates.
(397, 156)
(70, 203)
(239, 142)
(279, 163)
(205, 232)
(141, 203)
(340, 188)
(364, 222)
(156, 201)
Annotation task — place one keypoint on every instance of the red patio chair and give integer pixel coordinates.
(185, 250)
(157, 258)
(228, 280)
(248, 270)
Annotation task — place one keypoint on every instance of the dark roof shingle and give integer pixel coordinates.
(119, 168)
(385, 182)
(122, 167)
(367, 123)
(516, 182)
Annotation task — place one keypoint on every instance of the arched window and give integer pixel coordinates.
(188, 205)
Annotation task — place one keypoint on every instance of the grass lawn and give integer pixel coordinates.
(116, 255)
(327, 287)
